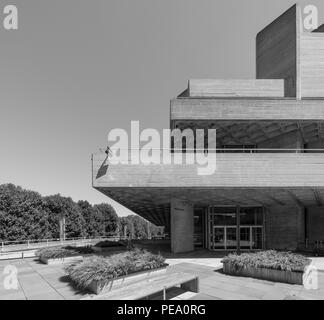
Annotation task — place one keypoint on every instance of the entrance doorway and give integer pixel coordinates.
(219, 242)
(224, 238)
(222, 229)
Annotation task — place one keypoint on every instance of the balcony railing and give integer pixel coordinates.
(19, 245)
(223, 150)
(251, 150)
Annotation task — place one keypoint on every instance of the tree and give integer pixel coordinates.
(94, 224)
(25, 214)
(22, 214)
(108, 217)
(137, 227)
(58, 206)
(125, 227)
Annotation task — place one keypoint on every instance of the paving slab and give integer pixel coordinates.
(70, 293)
(32, 288)
(274, 295)
(46, 296)
(13, 296)
(225, 295)
(40, 281)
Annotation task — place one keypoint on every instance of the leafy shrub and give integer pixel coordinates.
(62, 252)
(55, 253)
(104, 269)
(81, 250)
(270, 259)
(108, 244)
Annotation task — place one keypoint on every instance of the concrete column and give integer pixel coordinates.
(264, 224)
(182, 226)
(300, 224)
(238, 233)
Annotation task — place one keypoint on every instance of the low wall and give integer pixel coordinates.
(101, 287)
(265, 274)
(61, 260)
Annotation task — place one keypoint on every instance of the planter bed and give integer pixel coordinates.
(60, 260)
(58, 255)
(108, 249)
(102, 274)
(292, 277)
(269, 265)
(102, 287)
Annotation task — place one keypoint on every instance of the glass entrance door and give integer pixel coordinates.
(230, 238)
(245, 237)
(222, 230)
(219, 238)
(224, 238)
(256, 237)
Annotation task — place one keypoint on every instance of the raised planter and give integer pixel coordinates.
(61, 260)
(292, 277)
(108, 249)
(101, 287)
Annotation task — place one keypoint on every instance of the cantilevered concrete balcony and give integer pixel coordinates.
(255, 179)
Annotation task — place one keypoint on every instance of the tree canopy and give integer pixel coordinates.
(25, 214)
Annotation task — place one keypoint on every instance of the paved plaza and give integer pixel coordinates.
(39, 281)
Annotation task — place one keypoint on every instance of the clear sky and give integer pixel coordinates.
(77, 68)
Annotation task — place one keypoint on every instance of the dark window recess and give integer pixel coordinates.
(198, 228)
(239, 148)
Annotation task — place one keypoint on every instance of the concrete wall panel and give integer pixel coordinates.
(312, 65)
(182, 226)
(282, 227)
(315, 224)
(277, 50)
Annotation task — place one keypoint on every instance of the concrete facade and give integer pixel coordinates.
(284, 227)
(270, 151)
(276, 50)
(314, 224)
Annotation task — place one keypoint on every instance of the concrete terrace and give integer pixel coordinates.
(43, 282)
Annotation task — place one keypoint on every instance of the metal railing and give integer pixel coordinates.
(311, 245)
(221, 150)
(20, 245)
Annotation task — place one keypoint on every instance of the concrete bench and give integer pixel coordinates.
(145, 288)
